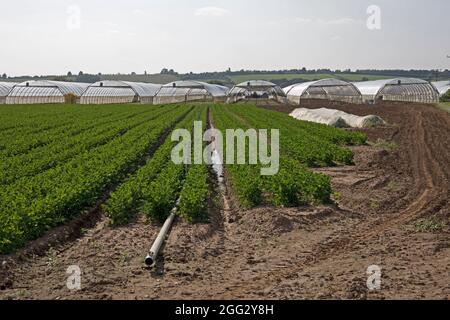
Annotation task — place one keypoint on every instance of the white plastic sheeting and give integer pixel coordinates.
(5, 89)
(256, 89)
(184, 91)
(44, 91)
(399, 89)
(442, 87)
(336, 118)
(107, 92)
(325, 89)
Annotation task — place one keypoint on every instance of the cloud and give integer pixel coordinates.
(342, 21)
(212, 12)
(320, 22)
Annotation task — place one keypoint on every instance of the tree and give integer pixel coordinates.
(80, 73)
(69, 74)
(164, 71)
(88, 78)
(4, 76)
(446, 97)
(133, 73)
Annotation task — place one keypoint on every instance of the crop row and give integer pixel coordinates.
(161, 195)
(294, 184)
(31, 206)
(310, 143)
(68, 146)
(17, 143)
(195, 192)
(155, 187)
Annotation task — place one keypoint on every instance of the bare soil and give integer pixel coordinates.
(392, 210)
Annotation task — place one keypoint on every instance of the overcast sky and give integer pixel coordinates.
(110, 36)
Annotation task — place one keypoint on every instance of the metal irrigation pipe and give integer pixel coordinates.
(154, 250)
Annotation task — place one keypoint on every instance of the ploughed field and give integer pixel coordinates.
(62, 162)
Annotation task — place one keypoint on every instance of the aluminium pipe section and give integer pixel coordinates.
(154, 250)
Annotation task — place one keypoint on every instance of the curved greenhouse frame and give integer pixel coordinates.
(109, 92)
(5, 89)
(184, 91)
(399, 89)
(442, 87)
(256, 89)
(44, 91)
(325, 89)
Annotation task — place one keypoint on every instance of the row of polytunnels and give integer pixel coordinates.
(113, 92)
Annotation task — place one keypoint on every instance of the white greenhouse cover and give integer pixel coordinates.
(372, 88)
(111, 88)
(300, 88)
(256, 85)
(336, 118)
(181, 88)
(261, 86)
(47, 87)
(328, 89)
(442, 86)
(6, 87)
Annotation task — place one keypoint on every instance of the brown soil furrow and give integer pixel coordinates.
(425, 167)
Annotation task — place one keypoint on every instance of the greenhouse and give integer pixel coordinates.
(184, 91)
(442, 87)
(256, 89)
(325, 89)
(5, 89)
(400, 89)
(44, 91)
(107, 92)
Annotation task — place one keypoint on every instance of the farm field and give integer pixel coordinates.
(56, 165)
(90, 186)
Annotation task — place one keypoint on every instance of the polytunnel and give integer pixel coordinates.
(442, 87)
(325, 89)
(184, 91)
(44, 91)
(5, 89)
(399, 89)
(109, 92)
(256, 89)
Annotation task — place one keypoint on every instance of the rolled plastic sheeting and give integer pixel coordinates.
(336, 118)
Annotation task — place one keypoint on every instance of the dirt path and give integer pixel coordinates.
(290, 253)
